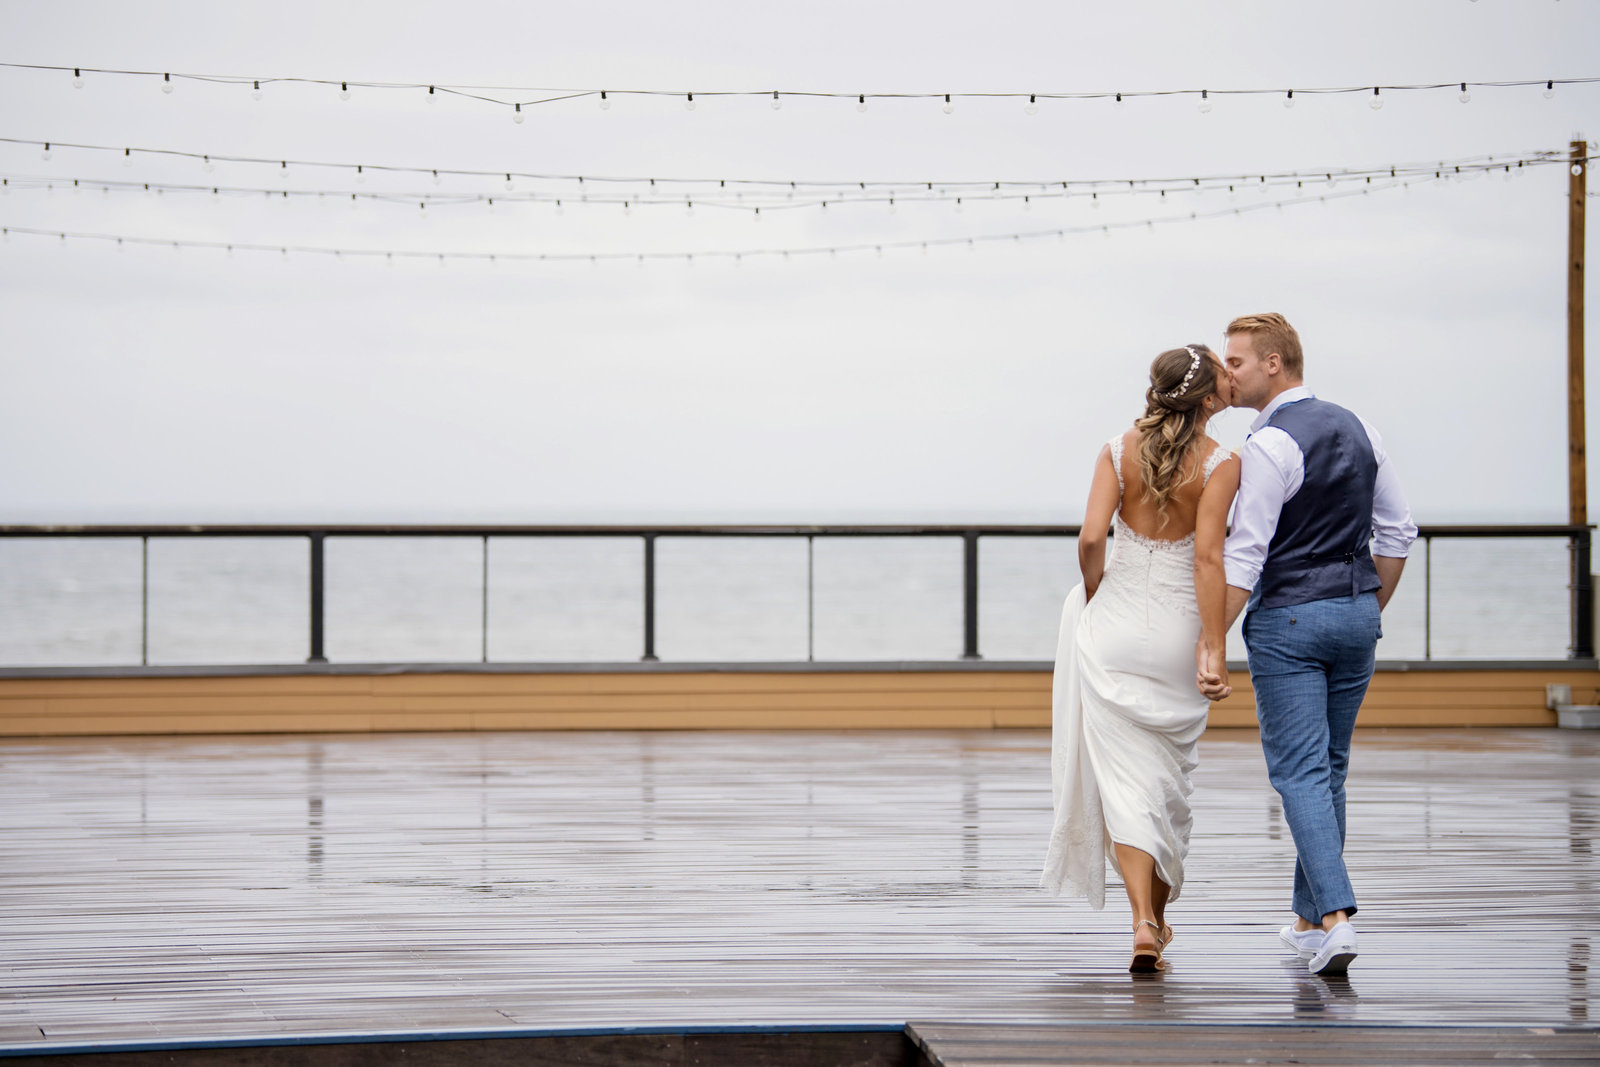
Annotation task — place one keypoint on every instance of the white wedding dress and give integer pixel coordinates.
(1126, 712)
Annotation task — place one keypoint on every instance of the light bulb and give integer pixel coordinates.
(559, 209)
(1464, 96)
(127, 157)
(1377, 100)
(436, 178)
(77, 78)
(510, 185)
(516, 115)
(861, 102)
(757, 216)
(166, 83)
(1549, 89)
(1119, 100)
(206, 164)
(1288, 99)
(958, 205)
(688, 207)
(255, 90)
(361, 175)
(431, 96)
(776, 102)
(891, 205)
(605, 103)
(1032, 106)
(627, 208)
(1027, 205)
(1205, 101)
(344, 91)
(949, 107)
(45, 155)
(688, 102)
(1094, 200)
(283, 170)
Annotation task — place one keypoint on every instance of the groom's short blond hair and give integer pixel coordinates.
(1270, 332)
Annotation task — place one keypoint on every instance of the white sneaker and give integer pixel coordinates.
(1338, 949)
(1304, 942)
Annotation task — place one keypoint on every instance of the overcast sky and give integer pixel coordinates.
(190, 385)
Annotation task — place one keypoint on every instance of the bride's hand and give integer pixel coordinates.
(1211, 672)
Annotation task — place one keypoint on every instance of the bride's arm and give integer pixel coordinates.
(1210, 582)
(1103, 497)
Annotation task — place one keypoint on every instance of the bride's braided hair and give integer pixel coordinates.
(1180, 381)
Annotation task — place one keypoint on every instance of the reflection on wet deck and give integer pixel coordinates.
(193, 887)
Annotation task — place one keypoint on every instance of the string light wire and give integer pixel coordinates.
(835, 189)
(875, 247)
(890, 195)
(520, 97)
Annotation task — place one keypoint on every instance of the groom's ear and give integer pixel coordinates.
(1274, 363)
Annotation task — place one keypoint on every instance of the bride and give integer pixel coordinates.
(1127, 712)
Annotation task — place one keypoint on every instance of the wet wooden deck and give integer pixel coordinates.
(173, 888)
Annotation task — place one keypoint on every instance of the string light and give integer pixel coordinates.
(1205, 102)
(1032, 106)
(1464, 96)
(948, 106)
(830, 189)
(605, 102)
(1377, 99)
(1288, 98)
(344, 91)
(517, 116)
(510, 96)
(1059, 233)
(1549, 89)
(688, 102)
(861, 101)
(776, 102)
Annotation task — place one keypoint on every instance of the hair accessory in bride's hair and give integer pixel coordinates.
(1194, 365)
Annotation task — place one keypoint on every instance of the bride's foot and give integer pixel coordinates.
(1146, 948)
(1164, 938)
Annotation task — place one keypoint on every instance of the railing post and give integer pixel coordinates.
(649, 599)
(1427, 598)
(811, 611)
(144, 601)
(486, 598)
(1582, 597)
(316, 601)
(970, 598)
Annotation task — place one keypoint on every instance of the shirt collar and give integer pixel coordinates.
(1288, 396)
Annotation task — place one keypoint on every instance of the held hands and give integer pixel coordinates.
(1211, 672)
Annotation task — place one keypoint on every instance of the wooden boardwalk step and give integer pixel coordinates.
(969, 1045)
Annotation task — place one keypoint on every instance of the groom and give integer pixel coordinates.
(1320, 535)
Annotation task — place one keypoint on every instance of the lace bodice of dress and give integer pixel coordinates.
(1164, 567)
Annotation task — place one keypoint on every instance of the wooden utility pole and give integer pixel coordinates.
(1577, 465)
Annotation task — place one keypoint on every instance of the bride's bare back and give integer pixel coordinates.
(1183, 505)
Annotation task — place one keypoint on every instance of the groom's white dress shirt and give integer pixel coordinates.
(1271, 470)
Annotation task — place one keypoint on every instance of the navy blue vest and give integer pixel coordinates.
(1320, 549)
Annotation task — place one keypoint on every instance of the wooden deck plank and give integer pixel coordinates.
(958, 1045)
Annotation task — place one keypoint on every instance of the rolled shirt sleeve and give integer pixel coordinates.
(1271, 469)
(1393, 530)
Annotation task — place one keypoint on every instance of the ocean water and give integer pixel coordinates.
(246, 600)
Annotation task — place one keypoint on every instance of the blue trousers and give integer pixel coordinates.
(1310, 665)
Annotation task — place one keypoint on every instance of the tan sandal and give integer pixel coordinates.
(1164, 938)
(1146, 959)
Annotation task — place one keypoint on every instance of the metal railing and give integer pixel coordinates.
(1581, 646)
